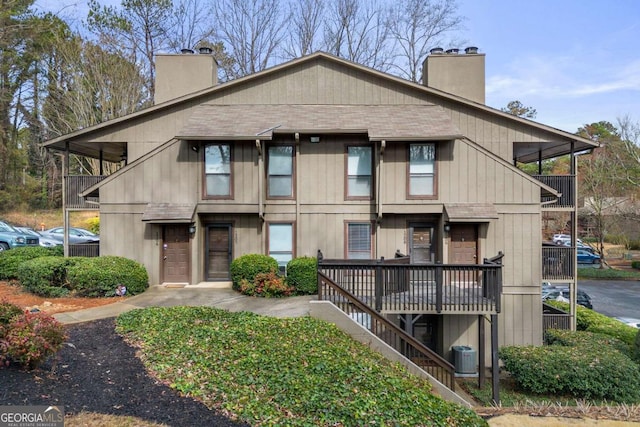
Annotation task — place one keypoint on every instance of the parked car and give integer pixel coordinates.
(44, 240)
(553, 293)
(630, 321)
(12, 238)
(566, 241)
(76, 235)
(579, 245)
(586, 257)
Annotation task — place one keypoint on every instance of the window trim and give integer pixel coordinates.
(435, 173)
(347, 196)
(372, 228)
(293, 171)
(293, 237)
(203, 158)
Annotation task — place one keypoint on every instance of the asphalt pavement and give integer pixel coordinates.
(613, 297)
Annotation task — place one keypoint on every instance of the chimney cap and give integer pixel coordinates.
(186, 51)
(436, 50)
(452, 51)
(205, 50)
(471, 50)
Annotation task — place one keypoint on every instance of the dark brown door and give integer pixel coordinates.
(464, 244)
(176, 253)
(422, 249)
(219, 252)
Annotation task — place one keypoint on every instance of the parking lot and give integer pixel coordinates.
(614, 297)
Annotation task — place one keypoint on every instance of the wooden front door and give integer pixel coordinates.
(218, 252)
(422, 250)
(176, 253)
(464, 244)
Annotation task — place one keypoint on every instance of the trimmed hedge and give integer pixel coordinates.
(592, 321)
(247, 267)
(302, 274)
(581, 366)
(46, 276)
(11, 260)
(99, 277)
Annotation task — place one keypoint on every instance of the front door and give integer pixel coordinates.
(422, 249)
(218, 252)
(176, 253)
(464, 244)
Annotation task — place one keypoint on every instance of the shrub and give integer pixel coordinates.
(30, 338)
(10, 260)
(592, 321)
(635, 264)
(302, 274)
(586, 372)
(268, 285)
(93, 224)
(7, 312)
(46, 276)
(246, 267)
(99, 277)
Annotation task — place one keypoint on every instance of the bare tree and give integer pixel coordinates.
(304, 28)
(190, 24)
(358, 31)
(137, 30)
(418, 26)
(252, 32)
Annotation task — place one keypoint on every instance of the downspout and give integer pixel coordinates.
(65, 209)
(260, 181)
(298, 237)
(379, 180)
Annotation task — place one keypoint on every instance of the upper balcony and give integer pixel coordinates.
(564, 184)
(76, 184)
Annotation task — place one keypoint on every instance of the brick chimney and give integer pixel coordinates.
(184, 73)
(461, 74)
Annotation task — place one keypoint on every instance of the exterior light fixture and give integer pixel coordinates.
(447, 227)
(192, 229)
(314, 139)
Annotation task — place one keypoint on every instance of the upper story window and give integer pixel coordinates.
(359, 241)
(359, 172)
(217, 170)
(280, 171)
(422, 170)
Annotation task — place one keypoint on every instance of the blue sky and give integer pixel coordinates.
(574, 61)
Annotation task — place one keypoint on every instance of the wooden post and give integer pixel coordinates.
(481, 352)
(495, 367)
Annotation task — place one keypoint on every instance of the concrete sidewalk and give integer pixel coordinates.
(225, 298)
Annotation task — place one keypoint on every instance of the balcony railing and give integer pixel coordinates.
(75, 184)
(558, 262)
(391, 286)
(564, 184)
(85, 249)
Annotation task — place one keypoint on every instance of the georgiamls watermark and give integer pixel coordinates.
(32, 416)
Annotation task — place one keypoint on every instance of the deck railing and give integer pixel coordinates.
(558, 262)
(554, 318)
(85, 249)
(75, 184)
(564, 184)
(405, 344)
(394, 286)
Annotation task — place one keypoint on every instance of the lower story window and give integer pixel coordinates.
(359, 240)
(281, 244)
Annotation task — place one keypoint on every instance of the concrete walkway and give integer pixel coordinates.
(225, 298)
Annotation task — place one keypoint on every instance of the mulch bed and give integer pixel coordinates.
(96, 371)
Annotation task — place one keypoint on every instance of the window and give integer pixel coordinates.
(422, 163)
(359, 166)
(280, 171)
(359, 240)
(217, 161)
(281, 244)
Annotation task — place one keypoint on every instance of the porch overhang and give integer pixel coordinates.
(471, 212)
(168, 213)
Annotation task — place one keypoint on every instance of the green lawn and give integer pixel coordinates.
(293, 372)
